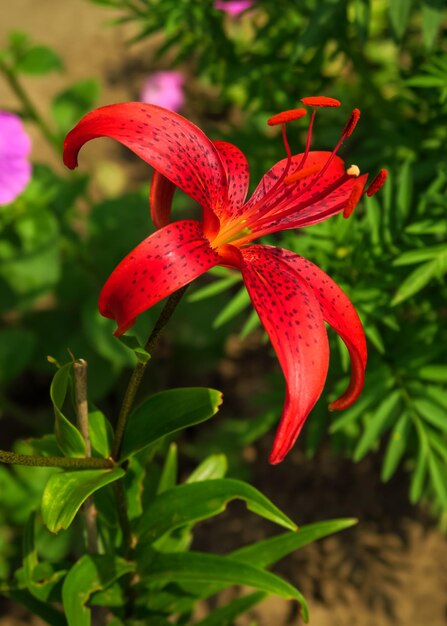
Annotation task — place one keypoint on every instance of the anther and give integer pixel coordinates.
(351, 123)
(353, 170)
(320, 101)
(286, 116)
(300, 174)
(377, 183)
(353, 199)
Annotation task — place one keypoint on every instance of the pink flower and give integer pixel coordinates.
(233, 7)
(15, 168)
(293, 297)
(164, 89)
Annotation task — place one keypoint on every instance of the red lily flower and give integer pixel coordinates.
(292, 296)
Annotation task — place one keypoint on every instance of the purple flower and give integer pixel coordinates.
(15, 168)
(233, 7)
(164, 89)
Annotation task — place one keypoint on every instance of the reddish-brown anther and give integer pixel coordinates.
(286, 116)
(377, 183)
(293, 297)
(320, 101)
(351, 123)
(353, 200)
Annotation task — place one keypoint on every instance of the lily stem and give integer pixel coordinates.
(137, 374)
(81, 402)
(55, 461)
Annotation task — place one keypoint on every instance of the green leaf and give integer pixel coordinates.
(16, 350)
(101, 432)
(237, 304)
(399, 11)
(198, 568)
(191, 502)
(214, 466)
(72, 103)
(431, 412)
(65, 492)
(419, 473)
(39, 583)
(265, 553)
(68, 437)
(168, 478)
(225, 615)
(377, 422)
(433, 15)
(131, 342)
(421, 254)
(396, 447)
(167, 412)
(39, 60)
(438, 475)
(214, 288)
(416, 281)
(435, 373)
(91, 573)
(404, 192)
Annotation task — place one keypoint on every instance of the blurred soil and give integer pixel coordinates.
(389, 570)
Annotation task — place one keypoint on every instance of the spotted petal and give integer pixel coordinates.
(238, 173)
(339, 312)
(173, 145)
(167, 260)
(292, 317)
(308, 201)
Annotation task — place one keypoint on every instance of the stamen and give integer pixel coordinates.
(348, 129)
(300, 174)
(377, 183)
(320, 101)
(353, 170)
(308, 140)
(353, 199)
(286, 116)
(351, 123)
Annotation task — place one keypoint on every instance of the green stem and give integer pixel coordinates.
(55, 461)
(137, 374)
(29, 108)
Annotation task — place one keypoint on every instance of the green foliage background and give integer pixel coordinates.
(387, 58)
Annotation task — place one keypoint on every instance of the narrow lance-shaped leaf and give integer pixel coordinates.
(265, 553)
(396, 446)
(214, 466)
(91, 573)
(199, 568)
(167, 412)
(197, 501)
(376, 424)
(168, 478)
(225, 615)
(65, 492)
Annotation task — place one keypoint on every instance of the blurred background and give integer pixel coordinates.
(228, 67)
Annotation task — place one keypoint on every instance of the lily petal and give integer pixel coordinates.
(293, 320)
(339, 312)
(160, 199)
(311, 200)
(173, 145)
(167, 260)
(238, 174)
